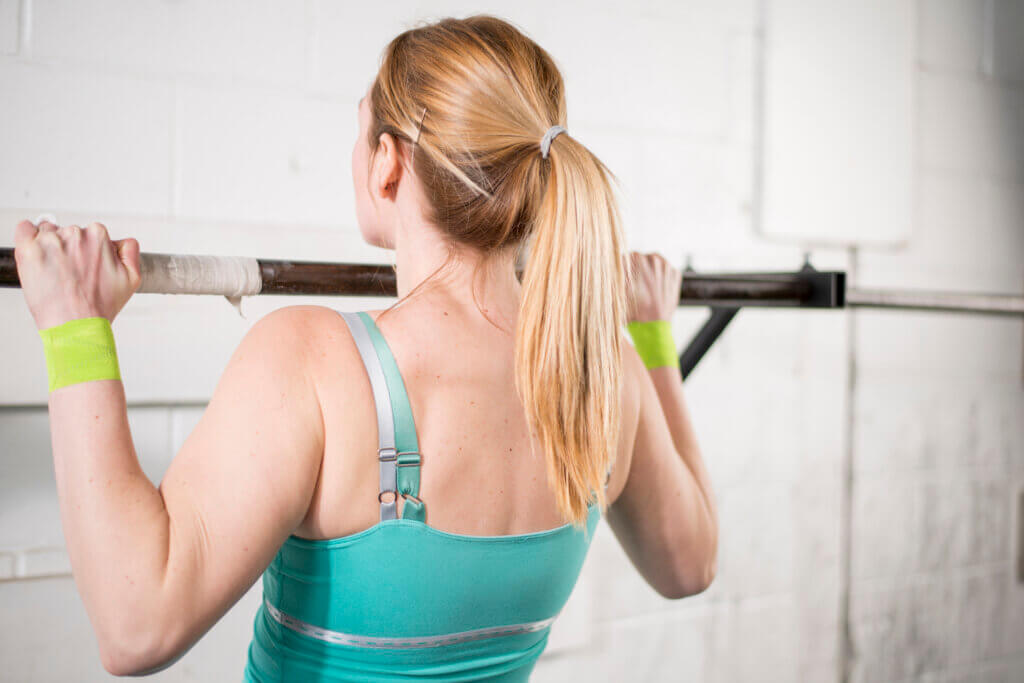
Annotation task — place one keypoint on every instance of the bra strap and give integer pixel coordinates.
(387, 454)
(404, 426)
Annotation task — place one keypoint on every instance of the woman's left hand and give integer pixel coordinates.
(69, 272)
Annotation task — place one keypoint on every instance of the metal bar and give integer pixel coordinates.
(800, 289)
(806, 288)
(991, 304)
(707, 335)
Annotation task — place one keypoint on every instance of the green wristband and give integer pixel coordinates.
(653, 341)
(80, 350)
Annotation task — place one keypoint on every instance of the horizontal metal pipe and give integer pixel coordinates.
(238, 276)
(241, 276)
(991, 304)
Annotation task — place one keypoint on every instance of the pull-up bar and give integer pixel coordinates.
(238, 276)
(725, 293)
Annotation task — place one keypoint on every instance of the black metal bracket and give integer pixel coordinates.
(806, 288)
(706, 336)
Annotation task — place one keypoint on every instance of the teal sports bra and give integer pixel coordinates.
(401, 600)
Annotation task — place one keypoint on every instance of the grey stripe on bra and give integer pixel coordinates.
(383, 642)
(387, 454)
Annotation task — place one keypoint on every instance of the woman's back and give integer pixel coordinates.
(398, 598)
(477, 473)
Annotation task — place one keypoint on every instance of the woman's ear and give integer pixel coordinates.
(387, 167)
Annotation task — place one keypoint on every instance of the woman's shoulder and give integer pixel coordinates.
(297, 327)
(309, 320)
(315, 333)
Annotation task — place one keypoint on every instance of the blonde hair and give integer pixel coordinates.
(473, 98)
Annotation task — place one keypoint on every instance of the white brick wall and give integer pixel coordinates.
(838, 99)
(939, 431)
(226, 42)
(219, 127)
(249, 155)
(58, 131)
(9, 17)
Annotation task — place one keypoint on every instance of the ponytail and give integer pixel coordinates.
(474, 97)
(567, 354)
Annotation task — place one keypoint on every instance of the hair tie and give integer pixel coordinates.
(545, 142)
(419, 126)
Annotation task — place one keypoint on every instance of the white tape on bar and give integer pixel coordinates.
(231, 276)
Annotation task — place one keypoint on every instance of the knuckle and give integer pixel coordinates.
(29, 251)
(70, 231)
(50, 238)
(97, 229)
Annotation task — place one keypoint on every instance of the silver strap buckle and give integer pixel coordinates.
(409, 464)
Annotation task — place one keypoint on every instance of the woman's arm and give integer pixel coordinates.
(668, 382)
(700, 545)
(665, 519)
(157, 567)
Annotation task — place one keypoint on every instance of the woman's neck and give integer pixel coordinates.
(420, 251)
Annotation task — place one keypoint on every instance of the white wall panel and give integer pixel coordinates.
(837, 162)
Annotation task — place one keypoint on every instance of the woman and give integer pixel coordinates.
(513, 412)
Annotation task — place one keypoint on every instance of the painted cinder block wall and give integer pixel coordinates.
(867, 465)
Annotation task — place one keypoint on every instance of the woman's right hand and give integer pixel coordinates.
(652, 286)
